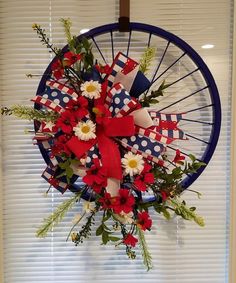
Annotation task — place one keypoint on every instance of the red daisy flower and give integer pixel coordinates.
(60, 147)
(96, 176)
(106, 201)
(144, 221)
(146, 178)
(130, 240)
(57, 69)
(66, 122)
(71, 58)
(78, 107)
(178, 158)
(124, 202)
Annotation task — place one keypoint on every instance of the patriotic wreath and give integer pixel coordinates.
(99, 129)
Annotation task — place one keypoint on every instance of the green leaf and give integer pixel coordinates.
(166, 214)
(99, 230)
(154, 101)
(114, 239)
(61, 175)
(156, 93)
(69, 172)
(158, 208)
(192, 157)
(108, 215)
(62, 165)
(105, 237)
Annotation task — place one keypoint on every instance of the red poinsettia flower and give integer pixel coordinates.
(130, 240)
(57, 69)
(78, 107)
(71, 58)
(66, 122)
(146, 178)
(144, 221)
(106, 201)
(96, 176)
(178, 157)
(124, 202)
(60, 146)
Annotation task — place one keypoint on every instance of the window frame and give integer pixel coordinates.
(232, 246)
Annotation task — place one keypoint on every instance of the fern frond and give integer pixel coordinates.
(147, 258)
(56, 216)
(146, 59)
(29, 113)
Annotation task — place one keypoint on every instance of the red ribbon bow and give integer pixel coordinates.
(106, 130)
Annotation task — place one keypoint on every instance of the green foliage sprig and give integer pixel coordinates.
(45, 40)
(185, 212)
(147, 100)
(29, 113)
(67, 27)
(147, 258)
(67, 168)
(57, 216)
(104, 231)
(146, 59)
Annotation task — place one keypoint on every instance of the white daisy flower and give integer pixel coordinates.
(85, 130)
(132, 163)
(91, 89)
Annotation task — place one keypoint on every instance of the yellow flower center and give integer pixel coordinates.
(85, 129)
(133, 163)
(91, 88)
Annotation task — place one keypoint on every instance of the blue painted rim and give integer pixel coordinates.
(196, 59)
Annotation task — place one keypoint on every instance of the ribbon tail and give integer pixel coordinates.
(79, 147)
(110, 155)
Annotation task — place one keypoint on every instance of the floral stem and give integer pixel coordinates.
(77, 222)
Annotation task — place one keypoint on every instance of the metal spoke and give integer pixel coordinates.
(199, 108)
(99, 50)
(198, 139)
(182, 78)
(177, 60)
(184, 153)
(196, 121)
(112, 46)
(149, 39)
(183, 98)
(127, 54)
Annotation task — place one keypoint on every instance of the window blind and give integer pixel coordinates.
(182, 252)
